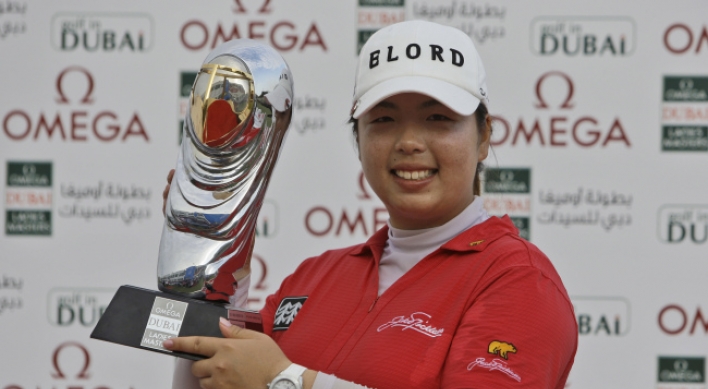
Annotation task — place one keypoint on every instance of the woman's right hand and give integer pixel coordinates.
(165, 192)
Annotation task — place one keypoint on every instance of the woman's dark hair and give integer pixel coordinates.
(480, 115)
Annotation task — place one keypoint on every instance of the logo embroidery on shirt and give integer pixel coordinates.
(502, 349)
(495, 364)
(417, 321)
(287, 310)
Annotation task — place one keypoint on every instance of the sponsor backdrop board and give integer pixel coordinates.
(600, 155)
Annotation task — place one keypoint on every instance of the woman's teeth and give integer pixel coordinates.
(413, 175)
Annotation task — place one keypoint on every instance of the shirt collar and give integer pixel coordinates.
(476, 238)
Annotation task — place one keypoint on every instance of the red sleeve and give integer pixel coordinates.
(302, 274)
(519, 333)
(268, 310)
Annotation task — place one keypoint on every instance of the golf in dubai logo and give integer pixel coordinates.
(590, 36)
(102, 32)
(602, 316)
(28, 198)
(683, 223)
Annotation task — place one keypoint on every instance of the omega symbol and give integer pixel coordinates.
(506, 176)
(83, 373)
(240, 9)
(87, 99)
(567, 104)
(681, 365)
(29, 170)
(170, 306)
(686, 84)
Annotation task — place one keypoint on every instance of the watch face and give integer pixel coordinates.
(283, 383)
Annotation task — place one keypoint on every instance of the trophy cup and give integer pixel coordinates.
(239, 111)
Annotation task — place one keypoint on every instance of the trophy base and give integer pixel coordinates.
(144, 318)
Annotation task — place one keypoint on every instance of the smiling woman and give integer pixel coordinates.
(420, 157)
(444, 296)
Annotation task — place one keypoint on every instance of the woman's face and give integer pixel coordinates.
(420, 158)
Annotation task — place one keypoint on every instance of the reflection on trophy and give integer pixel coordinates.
(240, 108)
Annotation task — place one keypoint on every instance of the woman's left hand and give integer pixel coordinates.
(245, 359)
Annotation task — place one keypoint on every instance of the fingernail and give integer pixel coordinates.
(168, 343)
(225, 322)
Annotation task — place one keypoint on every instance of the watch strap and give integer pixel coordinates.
(292, 373)
(294, 370)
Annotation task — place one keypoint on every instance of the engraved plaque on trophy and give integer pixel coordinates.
(239, 111)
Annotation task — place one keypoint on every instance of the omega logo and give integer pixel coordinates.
(541, 104)
(76, 125)
(240, 9)
(66, 368)
(87, 98)
(583, 131)
(283, 35)
(83, 372)
(673, 320)
(679, 39)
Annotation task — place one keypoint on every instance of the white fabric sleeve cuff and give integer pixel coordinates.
(240, 297)
(182, 377)
(328, 381)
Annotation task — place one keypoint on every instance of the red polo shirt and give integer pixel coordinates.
(485, 310)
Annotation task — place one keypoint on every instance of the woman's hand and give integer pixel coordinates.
(245, 359)
(165, 192)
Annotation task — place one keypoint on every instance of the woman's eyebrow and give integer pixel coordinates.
(430, 103)
(385, 104)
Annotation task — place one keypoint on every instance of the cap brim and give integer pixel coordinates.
(454, 97)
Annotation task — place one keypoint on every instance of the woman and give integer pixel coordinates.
(444, 296)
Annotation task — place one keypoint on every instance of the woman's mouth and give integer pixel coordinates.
(414, 174)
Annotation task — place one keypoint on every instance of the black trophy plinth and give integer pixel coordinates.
(143, 319)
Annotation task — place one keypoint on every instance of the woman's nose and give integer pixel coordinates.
(411, 138)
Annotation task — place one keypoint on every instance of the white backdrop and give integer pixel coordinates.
(601, 149)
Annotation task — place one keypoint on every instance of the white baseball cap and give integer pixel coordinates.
(421, 57)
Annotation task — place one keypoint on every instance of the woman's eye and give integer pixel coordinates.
(438, 117)
(382, 119)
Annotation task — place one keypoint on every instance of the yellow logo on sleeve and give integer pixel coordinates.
(501, 348)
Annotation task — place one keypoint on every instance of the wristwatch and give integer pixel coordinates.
(290, 378)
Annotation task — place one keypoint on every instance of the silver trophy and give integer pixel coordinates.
(239, 110)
